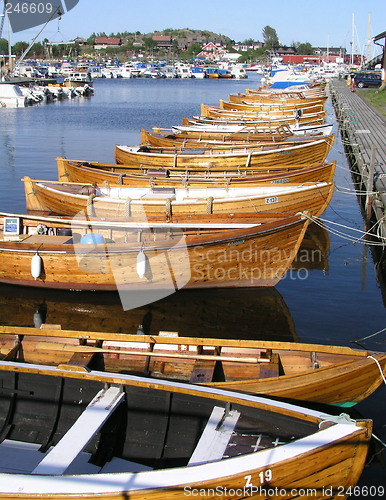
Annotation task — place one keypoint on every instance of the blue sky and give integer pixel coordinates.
(325, 23)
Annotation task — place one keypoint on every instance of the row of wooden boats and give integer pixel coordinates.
(195, 214)
(87, 414)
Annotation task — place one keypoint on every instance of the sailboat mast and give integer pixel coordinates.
(368, 37)
(352, 38)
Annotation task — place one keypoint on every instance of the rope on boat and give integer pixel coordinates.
(90, 205)
(342, 418)
(372, 335)
(364, 234)
(120, 178)
(168, 208)
(127, 207)
(209, 205)
(380, 368)
(354, 192)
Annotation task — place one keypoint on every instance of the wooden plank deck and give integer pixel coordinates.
(364, 134)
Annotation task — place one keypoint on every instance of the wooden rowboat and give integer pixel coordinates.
(308, 372)
(106, 435)
(201, 139)
(117, 201)
(220, 130)
(240, 110)
(315, 106)
(233, 117)
(271, 100)
(204, 251)
(272, 118)
(100, 173)
(309, 153)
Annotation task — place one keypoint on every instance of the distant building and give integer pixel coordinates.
(212, 52)
(243, 47)
(284, 51)
(105, 42)
(329, 51)
(80, 40)
(163, 41)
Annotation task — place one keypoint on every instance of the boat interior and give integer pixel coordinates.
(61, 425)
(164, 357)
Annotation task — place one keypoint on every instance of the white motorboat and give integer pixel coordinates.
(11, 96)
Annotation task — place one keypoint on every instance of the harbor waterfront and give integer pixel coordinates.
(333, 294)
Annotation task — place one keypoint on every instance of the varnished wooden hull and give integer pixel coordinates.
(276, 100)
(323, 454)
(67, 199)
(273, 109)
(307, 154)
(304, 372)
(99, 173)
(272, 118)
(204, 139)
(207, 139)
(236, 118)
(174, 258)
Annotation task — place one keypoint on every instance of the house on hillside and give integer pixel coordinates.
(105, 42)
(212, 51)
(243, 47)
(163, 41)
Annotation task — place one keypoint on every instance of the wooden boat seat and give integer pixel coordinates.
(215, 437)
(48, 239)
(61, 456)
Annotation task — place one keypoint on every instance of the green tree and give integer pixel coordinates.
(3, 46)
(19, 48)
(191, 51)
(304, 48)
(149, 43)
(270, 37)
(37, 50)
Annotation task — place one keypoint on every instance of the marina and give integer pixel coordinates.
(332, 294)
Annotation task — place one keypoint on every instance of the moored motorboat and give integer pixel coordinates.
(11, 96)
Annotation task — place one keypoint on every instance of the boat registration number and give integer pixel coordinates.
(272, 199)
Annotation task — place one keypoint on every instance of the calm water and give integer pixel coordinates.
(333, 302)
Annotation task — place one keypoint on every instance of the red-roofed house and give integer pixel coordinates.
(104, 42)
(212, 51)
(163, 41)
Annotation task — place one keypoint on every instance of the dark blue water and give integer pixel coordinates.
(335, 305)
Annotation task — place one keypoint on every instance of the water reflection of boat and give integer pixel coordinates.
(221, 313)
(313, 252)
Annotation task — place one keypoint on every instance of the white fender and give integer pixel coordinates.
(142, 263)
(36, 266)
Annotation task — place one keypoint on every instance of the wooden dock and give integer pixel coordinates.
(363, 132)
